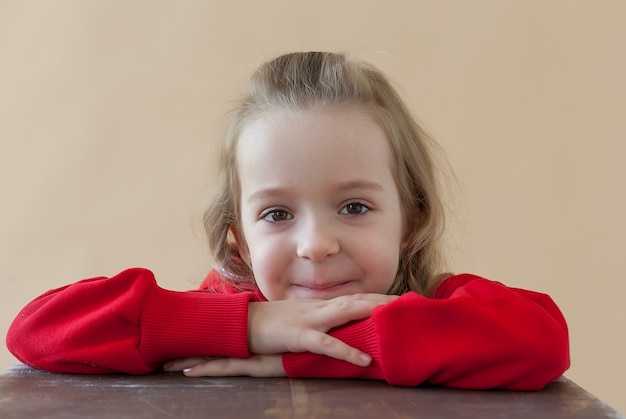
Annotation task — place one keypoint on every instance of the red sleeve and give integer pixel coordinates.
(473, 334)
(127, 323)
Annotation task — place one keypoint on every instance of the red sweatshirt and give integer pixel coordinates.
(473, 333)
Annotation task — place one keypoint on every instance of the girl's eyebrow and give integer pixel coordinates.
(359, 184)
(273, 192)
(265, 193)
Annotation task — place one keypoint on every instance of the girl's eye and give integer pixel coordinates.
(276, 216)
(355, 208)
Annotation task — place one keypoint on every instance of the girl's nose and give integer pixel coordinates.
(316, 242)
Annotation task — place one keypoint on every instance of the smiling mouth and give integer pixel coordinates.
(321, 291)
(322, 287)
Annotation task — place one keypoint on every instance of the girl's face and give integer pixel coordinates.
(320, 210)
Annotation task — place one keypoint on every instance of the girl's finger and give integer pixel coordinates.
(324, 344)
(344, 309)
(183, 363)
(255, 366)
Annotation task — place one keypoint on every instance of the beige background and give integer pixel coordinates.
(107, 109)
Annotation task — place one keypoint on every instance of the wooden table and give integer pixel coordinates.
(30, 393)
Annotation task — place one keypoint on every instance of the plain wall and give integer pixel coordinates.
(108, 108)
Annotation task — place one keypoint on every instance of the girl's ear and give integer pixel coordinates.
(240, 242)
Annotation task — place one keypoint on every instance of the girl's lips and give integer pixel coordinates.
(322, 291)
(318, 287)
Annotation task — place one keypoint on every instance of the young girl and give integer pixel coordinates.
(325, 229)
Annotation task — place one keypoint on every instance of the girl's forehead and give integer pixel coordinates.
(313, 129)
(300, 147)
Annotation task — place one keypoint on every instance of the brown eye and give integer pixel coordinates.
(355, 208)
(276, 216)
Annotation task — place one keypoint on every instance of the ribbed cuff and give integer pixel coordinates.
(184, 324)
(360, 335)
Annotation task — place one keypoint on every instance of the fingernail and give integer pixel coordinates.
(187, 370)
(366, 359)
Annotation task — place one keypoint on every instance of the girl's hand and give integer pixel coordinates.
(277, 327)
(301, 325)
(255, 366)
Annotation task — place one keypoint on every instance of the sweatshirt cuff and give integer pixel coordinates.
(360, 335)
(185, 324)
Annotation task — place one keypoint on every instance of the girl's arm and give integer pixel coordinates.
(126, 323)
(473, 334)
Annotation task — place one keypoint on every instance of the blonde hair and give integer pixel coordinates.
(304, 79)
